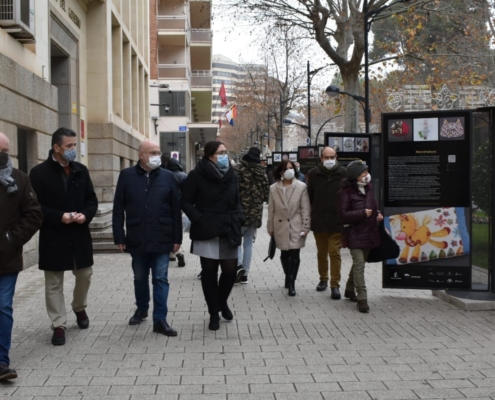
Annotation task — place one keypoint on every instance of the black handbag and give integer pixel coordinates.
(271, 249)
(388, 248)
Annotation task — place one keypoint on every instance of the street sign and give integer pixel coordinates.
(182, 128)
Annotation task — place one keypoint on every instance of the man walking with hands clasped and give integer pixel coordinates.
(323, 186)
(69, 203)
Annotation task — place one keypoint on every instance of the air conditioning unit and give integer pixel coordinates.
(17, 19)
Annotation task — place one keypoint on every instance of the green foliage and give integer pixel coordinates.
(481, 177)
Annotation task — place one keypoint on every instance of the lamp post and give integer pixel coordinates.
(322, 125)
(334, 91)
(306, 127)
(270, 115)
(282, 102)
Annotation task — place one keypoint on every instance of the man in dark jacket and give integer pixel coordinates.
(68, 201)
(20, 218)
(147, 200)
(323, 186)
(253, 191)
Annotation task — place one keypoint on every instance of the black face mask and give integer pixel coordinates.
(4, 159)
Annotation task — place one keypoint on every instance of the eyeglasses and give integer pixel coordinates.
(221, 153)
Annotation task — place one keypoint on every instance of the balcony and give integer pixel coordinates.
(174, 25)
(201, 36)
(201, 79)
(174, 71)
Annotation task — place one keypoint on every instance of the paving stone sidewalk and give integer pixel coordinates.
(410, 346)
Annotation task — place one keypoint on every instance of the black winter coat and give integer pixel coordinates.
(21, 217)
(61, 245)
(212, 202)
(351, 203)
(322, 190)
(149, 204)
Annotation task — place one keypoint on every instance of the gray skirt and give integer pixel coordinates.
(216, 249)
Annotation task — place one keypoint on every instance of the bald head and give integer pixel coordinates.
(148, 149)
(328, 153)
(4, 143)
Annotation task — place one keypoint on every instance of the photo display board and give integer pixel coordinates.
(308, 157)
(350, 147)
(278, 156)
(427, 199)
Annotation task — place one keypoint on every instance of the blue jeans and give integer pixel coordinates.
(7, 289)
(248, 233)
(141, 265)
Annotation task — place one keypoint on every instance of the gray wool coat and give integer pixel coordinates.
(289, 215)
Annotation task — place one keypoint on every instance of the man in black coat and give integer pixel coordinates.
(20, 219)
(323, 186)
(68, 201)
(147, 201)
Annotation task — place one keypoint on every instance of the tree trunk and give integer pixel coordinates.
(352, 106)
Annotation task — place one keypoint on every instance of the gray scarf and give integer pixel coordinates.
(6, 179)
(219, 170)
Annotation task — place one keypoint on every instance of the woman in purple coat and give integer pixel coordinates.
(357, 208)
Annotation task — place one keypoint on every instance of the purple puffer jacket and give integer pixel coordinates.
(351, 206)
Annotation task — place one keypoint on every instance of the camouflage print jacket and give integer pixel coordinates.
(253, 190)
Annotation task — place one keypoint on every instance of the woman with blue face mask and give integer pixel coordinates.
(210, 199)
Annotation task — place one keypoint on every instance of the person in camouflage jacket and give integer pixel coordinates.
(253, 190)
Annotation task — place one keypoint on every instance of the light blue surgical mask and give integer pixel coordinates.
(69, 155)
(223, 160)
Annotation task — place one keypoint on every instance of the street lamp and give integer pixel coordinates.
(306, 127)
(334, 91)
(367, 28)
(322, 125)
(282, 102)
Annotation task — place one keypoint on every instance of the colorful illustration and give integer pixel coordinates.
(452, 129)
(425, 129)
(362, 145)
(429, 235)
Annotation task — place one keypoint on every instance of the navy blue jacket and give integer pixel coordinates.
(150, 204)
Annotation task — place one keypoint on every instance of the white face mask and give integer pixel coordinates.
(289, 174)
(154, 162)
(367, 179)
(329, 164)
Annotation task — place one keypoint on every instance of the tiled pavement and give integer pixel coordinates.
(410, 346)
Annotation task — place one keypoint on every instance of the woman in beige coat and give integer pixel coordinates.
(288, 219)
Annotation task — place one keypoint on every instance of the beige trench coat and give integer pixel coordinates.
(289, 215)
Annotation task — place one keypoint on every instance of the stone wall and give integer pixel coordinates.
(110, 150)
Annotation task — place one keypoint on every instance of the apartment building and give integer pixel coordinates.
(181, 77)
(82, 64)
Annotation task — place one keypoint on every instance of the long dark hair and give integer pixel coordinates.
(279, 171)
(211, 148)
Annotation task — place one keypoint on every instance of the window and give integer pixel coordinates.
(174, 141)
(176, 103)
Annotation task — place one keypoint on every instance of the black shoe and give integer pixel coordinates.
(164, 328)
(82, 319)
(7, 373)
(362, 306)
(138, 317)
(58, 338)
(351, 295)
(180, 258)
(172, 258)
(239, 274)
(226, 313)
(245, 279)
(335, 293)
(322, 286)
(214, 324)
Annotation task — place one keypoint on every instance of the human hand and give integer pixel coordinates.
(368, 212)
(79, 218)
(379, 217)
(68, 218)
(121, 247)
(176, 248)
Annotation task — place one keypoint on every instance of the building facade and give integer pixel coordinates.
(181, 77)
(81, 64)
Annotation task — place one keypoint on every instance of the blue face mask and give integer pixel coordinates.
(70, 155)
(223, 160)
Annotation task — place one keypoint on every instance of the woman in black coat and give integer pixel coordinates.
(210, 199)
(357, 208)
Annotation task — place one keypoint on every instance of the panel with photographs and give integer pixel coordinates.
(400, 130)
(452, 128)
(349, 144)
(425, 129)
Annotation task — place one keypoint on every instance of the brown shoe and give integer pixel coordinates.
(351, 295)
(363, 306)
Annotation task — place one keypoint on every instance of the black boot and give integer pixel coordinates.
(209, 282)
(285, 266)
(293, 270)
(225, 286)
